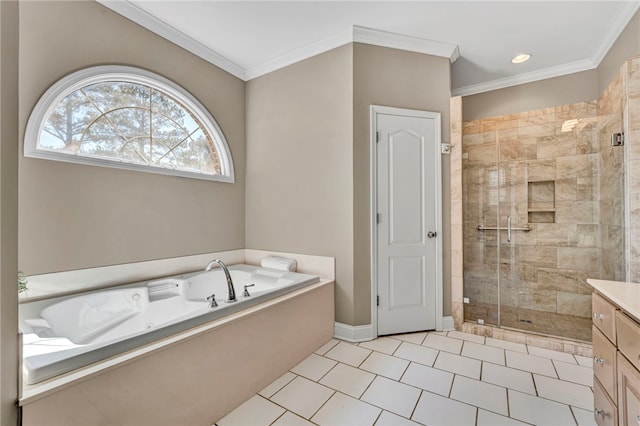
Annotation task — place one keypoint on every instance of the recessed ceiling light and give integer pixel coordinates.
(524, 57)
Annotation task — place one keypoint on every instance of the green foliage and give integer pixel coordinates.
(22, 282)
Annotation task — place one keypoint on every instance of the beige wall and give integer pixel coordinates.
(308, 157)
(625, 47)
(566, 89)
(402, 79)
(76, 216)
(8, 212)
(299, 164)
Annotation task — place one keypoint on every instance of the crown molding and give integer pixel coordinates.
(299, 54)
(615, 29)
(570, 68)
(355, 34)
(621, 21)
(403, 42)
(367, 36)
(155, 25)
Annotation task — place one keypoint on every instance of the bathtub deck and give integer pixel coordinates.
(195, 377)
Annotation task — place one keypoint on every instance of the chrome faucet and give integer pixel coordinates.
(232, 291)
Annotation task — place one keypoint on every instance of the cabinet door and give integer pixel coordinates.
(604, 410)
(604, 363)
(628, 392)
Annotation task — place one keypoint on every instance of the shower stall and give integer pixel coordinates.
(543, 206)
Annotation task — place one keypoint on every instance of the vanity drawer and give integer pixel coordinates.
(604, 363)
(604, 411)
(603, 314)
(628, 338)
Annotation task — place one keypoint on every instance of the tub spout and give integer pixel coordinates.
(232, 291)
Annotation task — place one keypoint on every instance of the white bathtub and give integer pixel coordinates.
(62, 334)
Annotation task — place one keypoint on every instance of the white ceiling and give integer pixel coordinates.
(251, 38)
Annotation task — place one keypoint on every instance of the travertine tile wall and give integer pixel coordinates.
(631, 122)
(611, 165)
(456, 212)
(617, 229)
(548, 179)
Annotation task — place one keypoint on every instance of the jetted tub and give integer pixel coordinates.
(62, 334)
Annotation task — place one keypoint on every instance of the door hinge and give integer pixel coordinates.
(378, 218)
(377, 137)
(378, 300)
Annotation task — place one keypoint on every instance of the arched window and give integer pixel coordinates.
(125, 117)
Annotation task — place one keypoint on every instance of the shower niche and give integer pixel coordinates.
(541, 201)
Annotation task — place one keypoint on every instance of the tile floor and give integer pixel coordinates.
(432, 378)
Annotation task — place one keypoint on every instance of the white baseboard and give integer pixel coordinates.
(447, 324)
(363, 333)
(353, 333)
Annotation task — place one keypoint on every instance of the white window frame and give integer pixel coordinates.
(85, 77)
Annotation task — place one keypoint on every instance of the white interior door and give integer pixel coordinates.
(408, 220)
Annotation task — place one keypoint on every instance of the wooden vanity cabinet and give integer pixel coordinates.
(616, 364)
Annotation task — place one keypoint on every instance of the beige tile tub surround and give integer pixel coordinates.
(201, 378)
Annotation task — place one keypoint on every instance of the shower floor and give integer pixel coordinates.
(549, 323)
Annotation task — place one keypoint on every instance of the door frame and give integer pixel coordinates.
(373, 191)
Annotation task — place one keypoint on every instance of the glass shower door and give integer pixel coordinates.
(543, 199)
(550, 197)
(518, 257)
(480, 184)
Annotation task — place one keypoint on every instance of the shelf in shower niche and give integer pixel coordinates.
(543, 216)
(540, 210)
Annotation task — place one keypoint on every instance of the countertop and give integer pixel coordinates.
(625, 295)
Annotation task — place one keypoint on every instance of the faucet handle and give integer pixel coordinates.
(246, 292)
(212, 301)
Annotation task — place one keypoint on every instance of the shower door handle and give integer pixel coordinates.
(508, 229)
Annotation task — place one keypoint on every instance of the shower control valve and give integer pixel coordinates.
(598, 316)
(597, 360)
(597, 412)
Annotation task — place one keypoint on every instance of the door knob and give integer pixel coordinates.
(431, 234)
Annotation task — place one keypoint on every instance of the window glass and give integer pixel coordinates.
(128, 118)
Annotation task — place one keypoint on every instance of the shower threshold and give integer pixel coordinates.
(548, 324)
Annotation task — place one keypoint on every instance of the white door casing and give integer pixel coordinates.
(406, 220)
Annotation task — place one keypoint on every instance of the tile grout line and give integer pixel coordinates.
(403, 374)
(413, 411)
(322, 405)
(482, 360)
